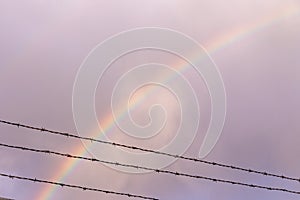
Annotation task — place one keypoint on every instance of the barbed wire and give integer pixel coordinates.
(150, 169)
(76, 186)
(66, 134)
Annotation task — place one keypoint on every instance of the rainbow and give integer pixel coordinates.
(216, 44)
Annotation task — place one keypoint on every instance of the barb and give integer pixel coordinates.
(264, 173)
(151, 169)
(76, 186)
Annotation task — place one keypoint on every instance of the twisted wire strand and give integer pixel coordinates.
(84, 188)
(151, 169)
(66, 134)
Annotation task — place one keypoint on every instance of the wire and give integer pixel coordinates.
(150, 169)
(76, 186)
(264, 173)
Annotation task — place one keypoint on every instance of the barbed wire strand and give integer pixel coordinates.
(66, 134)
(76, 186)
(150, 169)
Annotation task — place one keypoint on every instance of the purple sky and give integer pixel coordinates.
(44, 44)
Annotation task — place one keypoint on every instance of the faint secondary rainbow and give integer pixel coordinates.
(212, 46)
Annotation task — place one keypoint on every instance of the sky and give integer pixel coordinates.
(255, 45)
